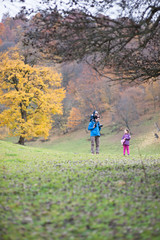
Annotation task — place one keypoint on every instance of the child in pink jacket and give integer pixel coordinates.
(125, 141)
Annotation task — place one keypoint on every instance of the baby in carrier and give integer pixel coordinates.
(94, 116)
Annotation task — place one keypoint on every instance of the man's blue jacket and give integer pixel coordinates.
(95, 131)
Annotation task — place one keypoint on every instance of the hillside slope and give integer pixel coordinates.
(143, 139)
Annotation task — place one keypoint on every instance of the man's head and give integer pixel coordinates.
(96, 118)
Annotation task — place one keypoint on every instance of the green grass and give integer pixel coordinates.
(52, 194)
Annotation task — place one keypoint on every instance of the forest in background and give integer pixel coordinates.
(86, 90)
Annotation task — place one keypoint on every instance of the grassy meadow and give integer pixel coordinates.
(61, 191)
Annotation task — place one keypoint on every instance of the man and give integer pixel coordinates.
(95, 127)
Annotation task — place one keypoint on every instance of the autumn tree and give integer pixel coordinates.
(2, 29)
(128, 42)
(74, 118)
(153, 94)
(10, 31)
(31, 95)
(88, 91)
(129, 105)
(127, 111)
(13, 28)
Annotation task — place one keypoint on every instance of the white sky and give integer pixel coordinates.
(6, 6)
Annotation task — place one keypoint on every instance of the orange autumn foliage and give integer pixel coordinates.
(74, 118)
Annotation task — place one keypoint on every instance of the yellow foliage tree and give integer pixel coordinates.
(31, 95)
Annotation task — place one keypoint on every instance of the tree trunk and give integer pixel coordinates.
(21, 140)
(24, 116)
